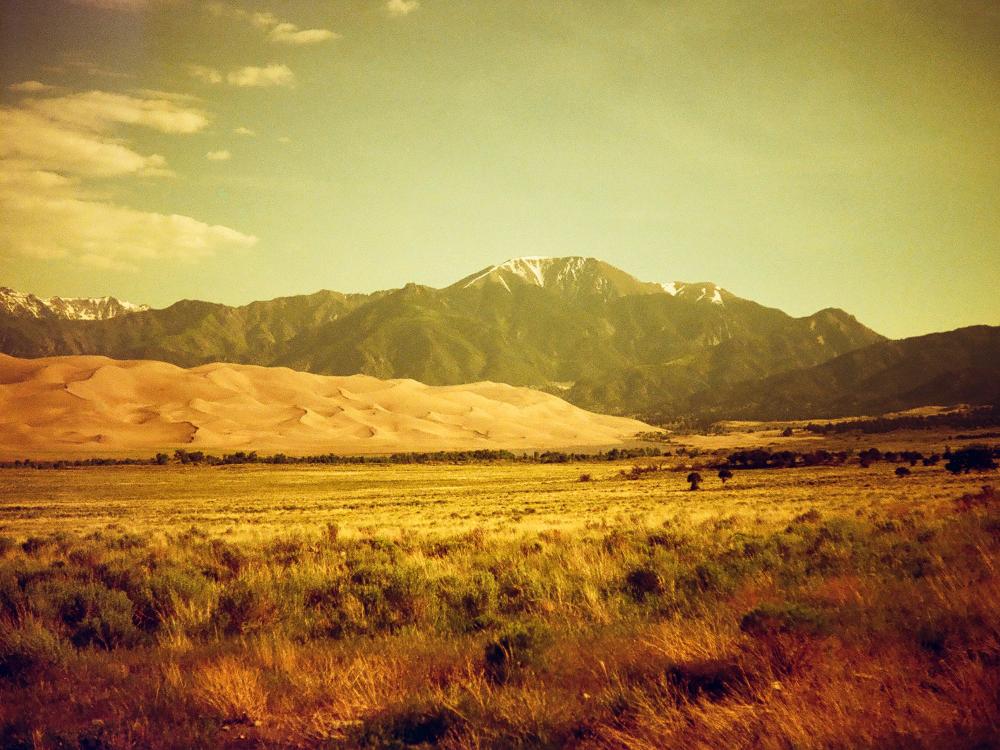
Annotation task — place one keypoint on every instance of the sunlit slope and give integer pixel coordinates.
(92, 403)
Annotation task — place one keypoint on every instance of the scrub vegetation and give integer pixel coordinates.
(499, 605)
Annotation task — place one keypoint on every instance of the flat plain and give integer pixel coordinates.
(501, 604)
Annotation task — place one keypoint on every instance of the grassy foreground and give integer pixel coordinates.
(497, 606)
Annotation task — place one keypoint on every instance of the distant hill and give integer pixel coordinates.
(90, 405)
(576, 327)
(961, 366)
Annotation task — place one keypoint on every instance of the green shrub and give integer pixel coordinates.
(25, 649)
(393, 595)
(157, 596)
(244, 608)
(92, 614)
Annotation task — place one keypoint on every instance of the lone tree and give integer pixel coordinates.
(902, 471)
(724, 475)
(695, 479)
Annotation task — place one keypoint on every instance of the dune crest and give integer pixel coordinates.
(86, 404)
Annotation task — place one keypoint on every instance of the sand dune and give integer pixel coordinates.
(90, 404)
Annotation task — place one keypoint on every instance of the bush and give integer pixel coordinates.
(513, 651)
(156, 598)
(413, 726)
(93, 614)
(643, 582)
(393, 595)
(26, 649)
(244, 608)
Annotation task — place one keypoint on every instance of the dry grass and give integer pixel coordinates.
(497, 606)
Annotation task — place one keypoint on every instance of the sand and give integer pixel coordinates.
(95, 405)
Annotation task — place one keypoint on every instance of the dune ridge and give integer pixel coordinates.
(93, 404)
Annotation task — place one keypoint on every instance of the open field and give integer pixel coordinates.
(498, 605)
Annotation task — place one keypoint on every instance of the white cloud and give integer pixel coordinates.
(221, 155)
(32, 139)
(32, 87)
(96, 110)
(281, 32)
(243, 130)
(289, 33)
(55, 223)
(50, 148)
(268, 75)
(401, 7)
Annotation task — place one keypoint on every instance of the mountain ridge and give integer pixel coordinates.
(25, 304)
(575, 326)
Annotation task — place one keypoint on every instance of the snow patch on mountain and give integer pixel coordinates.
(26, 305)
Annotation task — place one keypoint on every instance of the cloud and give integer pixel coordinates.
(221, 155)
(269, 75)
(96, 110)
(51, 148)
(204, 74)
(289, 33)
(32, 87)
(243, 130)
(398, 8)
(273, 74)
(171, 95)
(31, 140)
(55, 223)
(281, 32)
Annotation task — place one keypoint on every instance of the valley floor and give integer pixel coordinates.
(498, 605)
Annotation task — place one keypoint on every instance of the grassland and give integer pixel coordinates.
(493, 606)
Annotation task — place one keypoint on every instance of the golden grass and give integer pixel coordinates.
(497, 606)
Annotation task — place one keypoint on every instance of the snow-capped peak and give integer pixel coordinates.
(26, 305)
(697, 292)
(579, 276)
(530, 268)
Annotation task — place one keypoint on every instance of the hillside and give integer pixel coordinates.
(94, 404)
(961, 366)
(577, 327)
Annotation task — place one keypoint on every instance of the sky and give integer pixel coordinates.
(803, 154)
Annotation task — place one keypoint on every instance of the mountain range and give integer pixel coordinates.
(576, 327)
(22, 305)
